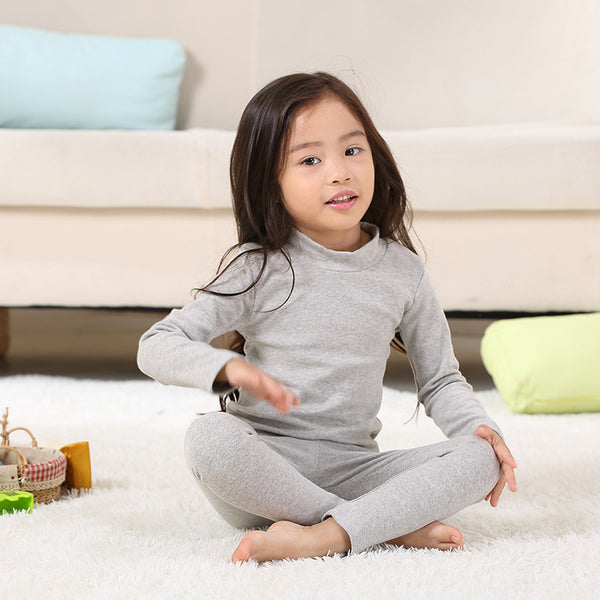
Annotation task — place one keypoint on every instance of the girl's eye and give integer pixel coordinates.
(310, 161)
(353, 151)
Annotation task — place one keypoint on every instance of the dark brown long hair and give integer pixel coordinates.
(258, 158)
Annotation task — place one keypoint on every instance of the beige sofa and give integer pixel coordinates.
(492, 110)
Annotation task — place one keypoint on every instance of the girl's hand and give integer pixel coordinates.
(506, 460)
(240, 373)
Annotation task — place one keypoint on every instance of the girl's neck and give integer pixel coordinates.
(344, 242)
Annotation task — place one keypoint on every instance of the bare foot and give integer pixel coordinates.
(285, 539)
(435, 535)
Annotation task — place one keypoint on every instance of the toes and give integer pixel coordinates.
(237, 557)
(240, 555)
(456, 542)
(243, 551)
(447, 547)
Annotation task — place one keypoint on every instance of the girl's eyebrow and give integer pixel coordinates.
(350, 134)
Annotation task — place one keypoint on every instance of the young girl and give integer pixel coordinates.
(324, 277)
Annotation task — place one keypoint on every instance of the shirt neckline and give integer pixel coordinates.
(335, 260)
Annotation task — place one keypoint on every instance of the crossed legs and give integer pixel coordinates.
(337, 498)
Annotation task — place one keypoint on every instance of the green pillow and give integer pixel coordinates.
(545, 364)
(52, 80)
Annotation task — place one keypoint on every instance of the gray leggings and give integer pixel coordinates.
(253, 480)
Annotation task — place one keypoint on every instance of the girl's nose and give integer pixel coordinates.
(339, 172)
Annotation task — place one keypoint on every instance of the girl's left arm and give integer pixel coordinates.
(444, 392)
(447, 397)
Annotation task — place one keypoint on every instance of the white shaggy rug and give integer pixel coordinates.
(145, 531)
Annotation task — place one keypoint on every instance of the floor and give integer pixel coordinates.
(102, 343)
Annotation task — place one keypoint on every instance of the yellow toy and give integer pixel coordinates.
(79, 469)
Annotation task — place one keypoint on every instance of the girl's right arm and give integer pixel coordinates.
(177, 350)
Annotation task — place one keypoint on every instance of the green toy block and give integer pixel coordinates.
(14, 501)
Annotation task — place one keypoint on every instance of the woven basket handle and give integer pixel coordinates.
(33, 440)
(21, 460)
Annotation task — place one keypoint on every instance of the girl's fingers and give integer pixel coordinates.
(494, 495)
(503, 453)
(506, 460)
(241, 373)
(507, 464)
(509, 475)
(506, 476)
(275, 393)
(500, 448)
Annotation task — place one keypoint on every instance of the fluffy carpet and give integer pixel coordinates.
(145, 531)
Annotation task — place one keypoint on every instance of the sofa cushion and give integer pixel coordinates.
(53, 80)
(469, 169)
(112, 169)
(524, 166)
(545, 364)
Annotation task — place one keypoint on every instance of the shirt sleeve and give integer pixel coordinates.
(177, 350)
(447, 397)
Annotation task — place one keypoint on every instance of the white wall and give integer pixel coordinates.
(430, 63)
(218, 36)
(416, 63)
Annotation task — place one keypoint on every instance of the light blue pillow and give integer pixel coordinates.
(52, 80)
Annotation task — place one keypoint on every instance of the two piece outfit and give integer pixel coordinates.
(328, 343)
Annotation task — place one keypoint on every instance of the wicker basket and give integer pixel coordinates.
(40, 471)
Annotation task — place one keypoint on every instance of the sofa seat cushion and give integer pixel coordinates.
(110, 169)
(526, 166)
(520, 167)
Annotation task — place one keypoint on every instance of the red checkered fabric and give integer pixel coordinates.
(45, 471)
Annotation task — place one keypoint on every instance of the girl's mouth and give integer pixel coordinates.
(342, 202)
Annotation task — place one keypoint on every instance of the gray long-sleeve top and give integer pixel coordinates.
(328, 343)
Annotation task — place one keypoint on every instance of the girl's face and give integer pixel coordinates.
(328, 176)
